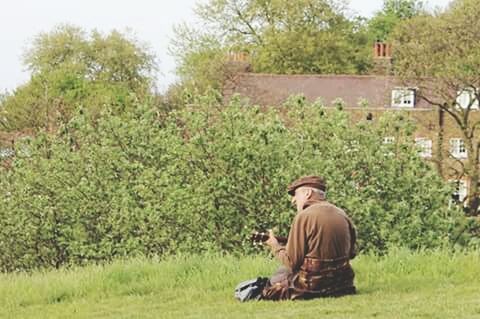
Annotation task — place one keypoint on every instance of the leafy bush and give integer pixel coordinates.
(204, 177)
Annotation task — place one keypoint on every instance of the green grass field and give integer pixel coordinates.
(401, 285)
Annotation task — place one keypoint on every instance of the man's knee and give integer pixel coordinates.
(280, 276)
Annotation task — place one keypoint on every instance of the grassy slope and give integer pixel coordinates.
(402, 285)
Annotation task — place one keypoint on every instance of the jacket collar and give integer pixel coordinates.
(311, 202)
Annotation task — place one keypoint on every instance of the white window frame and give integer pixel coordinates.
(457, 148)
(424, 147)
(403, 97)
(461, 189)
(388, 140)
(6, 152)
(465, 97)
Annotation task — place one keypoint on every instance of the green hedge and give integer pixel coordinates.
(204, 177)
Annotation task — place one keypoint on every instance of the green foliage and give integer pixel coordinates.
(451, 39)
(72, 69)
(201, 59)
(382, 24)
(3, 120)
(280, 36)
(204, 177)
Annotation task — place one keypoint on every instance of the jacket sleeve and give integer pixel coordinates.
(293, 253)
(353, 239)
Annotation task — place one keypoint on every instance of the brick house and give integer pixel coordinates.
(367, 96)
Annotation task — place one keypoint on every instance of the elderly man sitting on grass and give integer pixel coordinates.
(316, 257)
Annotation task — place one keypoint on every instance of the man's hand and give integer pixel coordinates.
(272, 241)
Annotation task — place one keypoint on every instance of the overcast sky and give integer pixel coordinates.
(150, 20)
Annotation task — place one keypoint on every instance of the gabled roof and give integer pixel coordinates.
(273, 89)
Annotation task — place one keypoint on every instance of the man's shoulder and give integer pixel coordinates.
(321, 207)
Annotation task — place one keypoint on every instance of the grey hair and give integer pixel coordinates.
(317, 191)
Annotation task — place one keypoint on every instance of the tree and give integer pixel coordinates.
(201, 59)
(71, 69)
(280, 36)
(393, 12)
(3, 97)
(441, 55)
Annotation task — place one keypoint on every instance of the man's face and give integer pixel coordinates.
(300, 197)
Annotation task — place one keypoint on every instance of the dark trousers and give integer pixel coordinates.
(279, 285)
(285, 284)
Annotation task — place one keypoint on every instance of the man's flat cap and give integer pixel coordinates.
(310, 181)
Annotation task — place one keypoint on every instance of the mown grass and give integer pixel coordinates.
(401, 285)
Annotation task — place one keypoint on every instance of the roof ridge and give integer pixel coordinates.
(317, 75)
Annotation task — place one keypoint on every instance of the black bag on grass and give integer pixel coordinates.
(250, 289)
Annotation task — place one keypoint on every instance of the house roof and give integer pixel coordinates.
(273, 89)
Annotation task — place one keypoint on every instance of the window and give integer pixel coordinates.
(6, 152)
(467, 98)
(403, 97)
(460, 190)
(424, 147)
(389, 147)
(457, 148)
(388, 140)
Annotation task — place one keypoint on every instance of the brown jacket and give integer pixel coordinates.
(321, 231)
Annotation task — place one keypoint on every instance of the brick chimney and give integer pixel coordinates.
(237, 56)
(382, 58)
(238, 62)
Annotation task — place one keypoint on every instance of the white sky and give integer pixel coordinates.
(150, 20)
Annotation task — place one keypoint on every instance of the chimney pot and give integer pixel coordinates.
(382, 50)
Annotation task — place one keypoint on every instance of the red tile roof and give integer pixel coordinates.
(272, 89)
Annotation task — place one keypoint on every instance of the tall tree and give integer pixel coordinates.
(201, 58)
(71, 68)
(441, 55)
(393, 12)
(281, 36)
